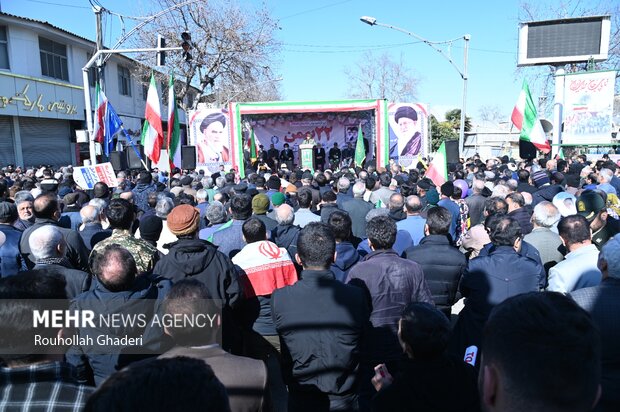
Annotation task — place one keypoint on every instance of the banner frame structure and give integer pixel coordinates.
(237, 110)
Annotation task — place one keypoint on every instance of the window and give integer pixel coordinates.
(4, 49)
(53, 59)
(124, 81)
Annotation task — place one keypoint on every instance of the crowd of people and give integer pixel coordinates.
(352, 289)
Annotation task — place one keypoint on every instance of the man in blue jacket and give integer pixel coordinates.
(491, 279)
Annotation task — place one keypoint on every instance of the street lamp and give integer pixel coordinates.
(373, 22)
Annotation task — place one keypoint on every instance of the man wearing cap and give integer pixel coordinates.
(260, 206)
(579, 267)
(591, 205)
(603, 305)
(11, 260)
(546, 191)
(24, 202)
(407, 119)
(197, 258)
(277, 200)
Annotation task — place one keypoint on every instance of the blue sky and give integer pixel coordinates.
(323, 37)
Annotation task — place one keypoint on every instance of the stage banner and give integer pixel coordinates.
(327, 129)
(408, 128)
(209, 131)
(87, 176)
(328, 122)
(588, 108)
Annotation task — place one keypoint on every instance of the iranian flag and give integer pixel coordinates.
(253, 155)
(360, 150)
(152, 133)
(525, 118)
(438, 169)
(174, 130)
(101, 100)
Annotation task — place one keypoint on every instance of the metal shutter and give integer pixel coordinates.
(7, 153)
(45, 141)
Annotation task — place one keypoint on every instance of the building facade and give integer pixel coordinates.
(42, 106)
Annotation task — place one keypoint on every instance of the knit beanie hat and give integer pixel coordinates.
(150, 228)
(432, 197)
(540, 178)
(183, 220)
(277, 199)
(260, 204)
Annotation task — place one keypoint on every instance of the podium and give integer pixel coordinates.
(307, 156)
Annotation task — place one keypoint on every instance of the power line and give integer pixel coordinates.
(59, 4)
(315, 9)
(362, 48)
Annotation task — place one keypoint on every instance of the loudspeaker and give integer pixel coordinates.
(118, 160)
(188, 157)
(452, 151)
(133, 161)
(527, 150)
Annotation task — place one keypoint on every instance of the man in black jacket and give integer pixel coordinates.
(47, 212)
(287, 156)
(119, 289)
(430, 380)
(442, 263)
(197, 258)
(48, 247)
(320, 322)
(191, 257)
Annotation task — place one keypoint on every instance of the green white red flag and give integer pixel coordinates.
(152, 132)
(438, 169)
(525, 118)
(101, 101)
(360, 150)
(174, 130)
(253, 155)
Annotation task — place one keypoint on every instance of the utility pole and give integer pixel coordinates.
(99, 75)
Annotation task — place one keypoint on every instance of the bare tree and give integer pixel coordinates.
(381, 77)
(234, 50)
(491, 113)
(540, 79)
